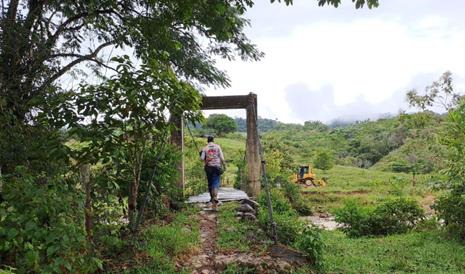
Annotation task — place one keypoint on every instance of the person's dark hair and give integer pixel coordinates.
(210, 139)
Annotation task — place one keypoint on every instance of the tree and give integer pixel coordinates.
(439, 94)
(221, 123)
(450, 206)
(124, 121)
(316, 125)
(323, 160)
(41, 41)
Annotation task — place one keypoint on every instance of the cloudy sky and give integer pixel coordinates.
(324, 63)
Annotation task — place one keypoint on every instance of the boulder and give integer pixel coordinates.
(239, 214)
(251, 203)
(249, 216)
(246, 208)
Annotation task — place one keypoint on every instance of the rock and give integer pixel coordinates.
(197, 264)
(246, 208)
(251, 203)
(249, 216)
(283, 265)
(239, 214)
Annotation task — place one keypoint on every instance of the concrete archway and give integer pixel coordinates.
(247, 102)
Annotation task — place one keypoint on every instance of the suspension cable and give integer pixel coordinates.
(192, 136)
(273, 225)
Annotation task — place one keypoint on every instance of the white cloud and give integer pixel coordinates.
(364, 60)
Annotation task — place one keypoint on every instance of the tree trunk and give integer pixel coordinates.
(134, 188)
(132, 202)
(84, 172)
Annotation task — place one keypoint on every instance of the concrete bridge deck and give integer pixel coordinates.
(225, 194)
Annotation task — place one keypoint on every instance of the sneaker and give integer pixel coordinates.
(217, 202)
(209, 204)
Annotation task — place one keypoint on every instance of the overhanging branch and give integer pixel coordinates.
(79, 59)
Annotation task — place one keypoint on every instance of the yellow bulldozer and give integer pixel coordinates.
(305, 176)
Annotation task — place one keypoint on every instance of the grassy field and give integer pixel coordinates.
(367, 187)
(428, 250)
(414, 252)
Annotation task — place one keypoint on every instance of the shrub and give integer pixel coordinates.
(40, 225)
(293, 194)
(280, 203)
(324, 160)
(391, 217)
(289, 229)
(311, 243)
(451, 208)
(288, 225)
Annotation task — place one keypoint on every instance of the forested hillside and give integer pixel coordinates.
(404, 143)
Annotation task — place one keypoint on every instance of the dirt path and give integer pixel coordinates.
(204, 263)
(210, 261)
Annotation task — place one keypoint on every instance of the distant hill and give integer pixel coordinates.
(264, 124)
(402, 143)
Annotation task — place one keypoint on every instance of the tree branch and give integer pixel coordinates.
(80, 58)
(85, 57)
(63, 26)
(12, 10)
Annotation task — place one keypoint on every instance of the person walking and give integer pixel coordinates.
(213, 158)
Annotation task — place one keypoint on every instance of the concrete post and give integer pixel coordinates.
(177, 139)
(252, 148)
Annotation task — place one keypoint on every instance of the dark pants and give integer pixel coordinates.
(214, 179)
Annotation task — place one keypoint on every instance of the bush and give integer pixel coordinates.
(391, 217)
(451, 208)
(288, 226)
(40, 227)
(279, 202)
(311, 243)
(293, 194)
(289, 229)
(324, 160)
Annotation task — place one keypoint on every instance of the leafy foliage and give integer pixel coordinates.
(290, 230)
(40, 228)
(294, 195)
(391, 217)
(323, 160)
(450, 207)
(263, 124)
(221, 124)
(312, 244)
(440, 93)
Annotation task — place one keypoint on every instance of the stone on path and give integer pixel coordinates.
(245, 208)
(251, 203)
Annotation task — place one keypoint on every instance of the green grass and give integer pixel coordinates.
(237, 235)
(365, 185)
(414, 252)
(165, 242)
